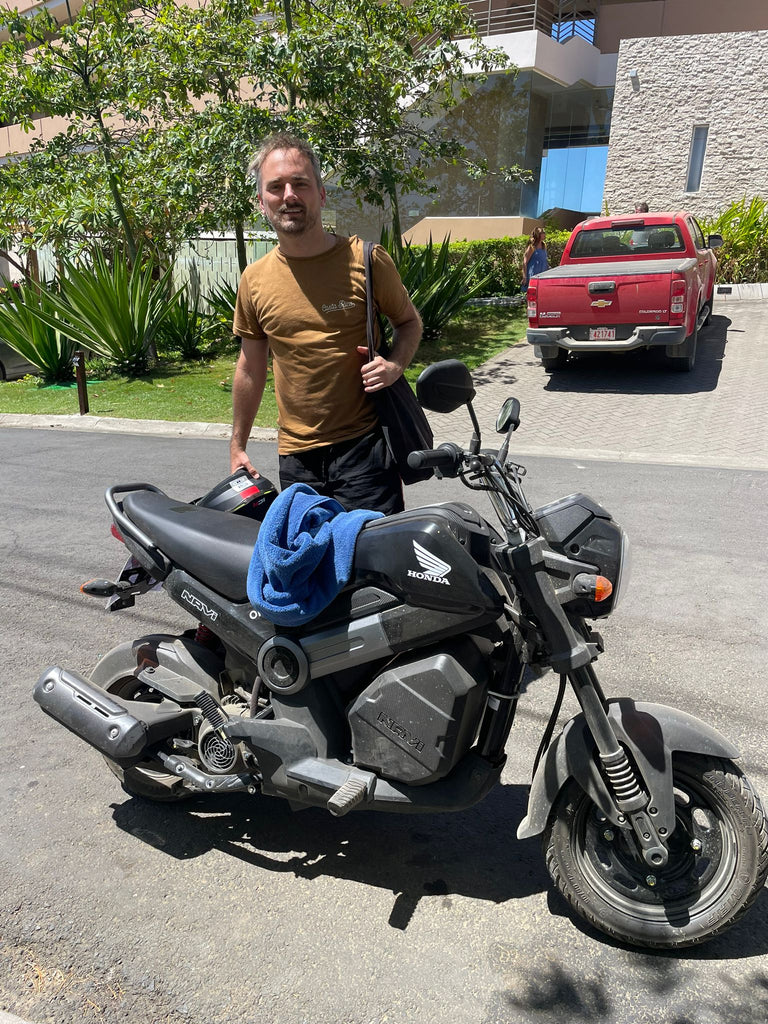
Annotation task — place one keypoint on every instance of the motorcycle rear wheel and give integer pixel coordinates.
(142, 780)
(718, 860)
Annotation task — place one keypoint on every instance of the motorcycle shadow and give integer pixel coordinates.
(471, 853)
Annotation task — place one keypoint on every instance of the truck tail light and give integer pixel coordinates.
(532, 305)
(677, 301)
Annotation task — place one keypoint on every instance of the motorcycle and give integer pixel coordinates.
(400, 695)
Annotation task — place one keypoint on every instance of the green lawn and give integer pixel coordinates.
(201, 391)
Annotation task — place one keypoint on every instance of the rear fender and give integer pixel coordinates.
(650, 733)
(182, 667)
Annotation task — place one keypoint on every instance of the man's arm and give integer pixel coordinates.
(406, 335)
(247, 390)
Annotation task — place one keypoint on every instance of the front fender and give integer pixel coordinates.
(650, 733)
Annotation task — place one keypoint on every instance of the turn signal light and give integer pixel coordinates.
(603, 588)
(595, 588)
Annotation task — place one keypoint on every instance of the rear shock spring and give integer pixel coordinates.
(205, 636)
(215, 715)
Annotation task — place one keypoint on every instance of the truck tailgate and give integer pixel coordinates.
(629, 292)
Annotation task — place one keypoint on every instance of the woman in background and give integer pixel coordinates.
(535, 256)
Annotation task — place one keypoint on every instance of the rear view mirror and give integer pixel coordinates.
(445, 386)
(509, 416)
(714, 241)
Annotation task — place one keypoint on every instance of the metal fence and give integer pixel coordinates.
(208, 261)
(212, 259)
(561, 19)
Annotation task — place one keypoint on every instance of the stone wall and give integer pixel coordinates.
(683, 81)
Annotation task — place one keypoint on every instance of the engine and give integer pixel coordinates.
(418, 718)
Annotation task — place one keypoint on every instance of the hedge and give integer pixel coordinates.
(501, 260)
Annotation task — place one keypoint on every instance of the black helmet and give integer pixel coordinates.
(241, 493)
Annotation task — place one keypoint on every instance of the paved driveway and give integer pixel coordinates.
(632, 407)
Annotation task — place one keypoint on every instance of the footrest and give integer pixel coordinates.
(347, 797)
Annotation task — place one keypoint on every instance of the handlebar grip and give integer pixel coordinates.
(446, 457)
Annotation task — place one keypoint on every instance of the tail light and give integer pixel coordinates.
(677, 301)
(532, 305)
(116, 533)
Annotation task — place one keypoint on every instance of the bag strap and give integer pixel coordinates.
(372, 315)
(370, 309)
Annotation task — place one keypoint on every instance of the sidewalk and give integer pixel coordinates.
(629, 408)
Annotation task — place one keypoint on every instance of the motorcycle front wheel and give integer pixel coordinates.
(718, 860)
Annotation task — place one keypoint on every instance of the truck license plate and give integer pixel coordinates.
(602, 334)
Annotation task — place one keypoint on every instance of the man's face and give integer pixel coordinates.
(290, 197)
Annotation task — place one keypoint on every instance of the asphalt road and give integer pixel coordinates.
(238, 910)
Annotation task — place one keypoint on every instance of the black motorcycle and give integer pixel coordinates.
(400, 695)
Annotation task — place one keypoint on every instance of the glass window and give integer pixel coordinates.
(698, 235)
(696, 157)
(653, 240)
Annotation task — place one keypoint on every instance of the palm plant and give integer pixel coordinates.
(29, 326)
(439, 288)
(113, 309)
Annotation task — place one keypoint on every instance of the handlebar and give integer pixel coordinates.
(446, 458)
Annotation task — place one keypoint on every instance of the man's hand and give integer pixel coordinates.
(380, 372)
(238, 459)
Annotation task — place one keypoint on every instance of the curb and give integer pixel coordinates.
(158, 428)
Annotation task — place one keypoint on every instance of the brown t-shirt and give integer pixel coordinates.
(312, 312)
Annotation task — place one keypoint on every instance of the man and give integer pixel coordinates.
(306, 302)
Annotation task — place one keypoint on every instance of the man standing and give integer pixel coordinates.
(306, 302)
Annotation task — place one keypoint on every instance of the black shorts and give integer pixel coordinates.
(358, 473)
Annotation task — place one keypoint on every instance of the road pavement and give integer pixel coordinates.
(113, 910)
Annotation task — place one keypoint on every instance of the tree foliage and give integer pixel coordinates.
(162, 104)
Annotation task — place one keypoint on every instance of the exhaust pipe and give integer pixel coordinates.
(121, 730)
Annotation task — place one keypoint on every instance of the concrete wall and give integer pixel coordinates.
(683, 81)
(468, 229)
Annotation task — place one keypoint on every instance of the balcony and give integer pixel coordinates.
(560, 19)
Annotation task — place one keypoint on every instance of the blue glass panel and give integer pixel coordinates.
(573, 179)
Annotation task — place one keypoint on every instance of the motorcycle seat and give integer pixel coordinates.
(214, 547)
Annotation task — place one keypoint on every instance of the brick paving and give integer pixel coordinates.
(632, 407)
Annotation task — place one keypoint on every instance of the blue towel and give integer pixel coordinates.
(303, 555)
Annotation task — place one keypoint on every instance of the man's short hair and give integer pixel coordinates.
(280, 141)
(641, 207)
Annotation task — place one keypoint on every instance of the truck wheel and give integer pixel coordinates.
(710, 302)
(683, 357)
(556, 362)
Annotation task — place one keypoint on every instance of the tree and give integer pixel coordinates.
(373, 83)
(159, 120)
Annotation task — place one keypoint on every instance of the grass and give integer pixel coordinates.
(201, 391)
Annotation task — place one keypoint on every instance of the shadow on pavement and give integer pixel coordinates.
(553, 994)
(472, 853)
(645, 371)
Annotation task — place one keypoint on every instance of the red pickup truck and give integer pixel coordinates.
(640, 280)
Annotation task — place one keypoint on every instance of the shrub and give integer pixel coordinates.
(500, 260)
(439, 286)
(744, 227)
(23, 314)
(112, 309)
(185, 329)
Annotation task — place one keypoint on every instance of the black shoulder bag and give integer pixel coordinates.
(403, 422)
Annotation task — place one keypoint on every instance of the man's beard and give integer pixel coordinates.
(288, 225)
